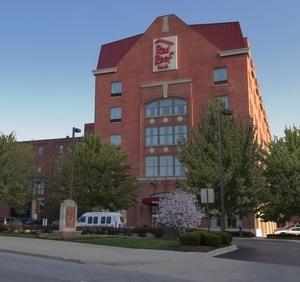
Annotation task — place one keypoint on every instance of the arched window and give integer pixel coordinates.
(166, 107)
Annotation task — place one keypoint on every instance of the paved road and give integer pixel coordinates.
(266, 251)
(20, 268)
(103, 263)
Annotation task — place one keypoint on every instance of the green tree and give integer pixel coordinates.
(283, 177)
(102, 177)
(16, 164)
(243, 176)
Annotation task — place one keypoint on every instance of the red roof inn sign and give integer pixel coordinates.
(165, 53)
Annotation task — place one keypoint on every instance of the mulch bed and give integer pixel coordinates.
(202, 249)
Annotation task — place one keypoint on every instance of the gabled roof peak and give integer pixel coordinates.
(224, 35)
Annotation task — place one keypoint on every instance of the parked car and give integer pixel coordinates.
(27, 221)
(109, 219)
(291, 230)
(289, 226)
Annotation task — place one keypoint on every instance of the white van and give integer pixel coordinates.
(109, 219)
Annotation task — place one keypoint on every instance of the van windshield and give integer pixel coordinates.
(81, 219)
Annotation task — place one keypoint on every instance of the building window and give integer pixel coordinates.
(39, 169)
(152, 109)
(151, 136)
(180, 133)
(180, 107)
(151, 166)
(225, 100)
(61, 149)
(115, 139)
(40, 188)
(116, 88)
(166, 107)
(220, 76)
(166, 135)
(179, 168)
(166, 166)
(40, 150)
(116, 114)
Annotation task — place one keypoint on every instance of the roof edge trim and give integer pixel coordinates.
(234, 52)
(105, 70)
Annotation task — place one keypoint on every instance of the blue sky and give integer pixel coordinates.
(48, 49)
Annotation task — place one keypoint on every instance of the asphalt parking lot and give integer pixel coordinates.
(266, 251)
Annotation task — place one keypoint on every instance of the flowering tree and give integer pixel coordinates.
(179, 210)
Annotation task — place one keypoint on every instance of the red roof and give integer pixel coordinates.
(225, 36)
(113, 52)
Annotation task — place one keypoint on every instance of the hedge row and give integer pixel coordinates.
(10, 227)
(156, 232)
(206, 238)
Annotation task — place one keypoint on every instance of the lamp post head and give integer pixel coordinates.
(76, 130)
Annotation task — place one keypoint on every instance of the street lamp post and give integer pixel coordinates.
(74, 130)
(221, 166)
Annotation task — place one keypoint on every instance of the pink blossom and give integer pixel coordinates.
(179, 210)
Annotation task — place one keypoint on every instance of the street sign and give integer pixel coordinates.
(207, 196)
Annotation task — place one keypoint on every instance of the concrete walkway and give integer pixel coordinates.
(190, 266)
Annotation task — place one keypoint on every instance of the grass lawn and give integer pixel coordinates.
(19, 234)
(122, 241)
(129, 242)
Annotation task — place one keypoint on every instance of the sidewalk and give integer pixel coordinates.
(182, 265)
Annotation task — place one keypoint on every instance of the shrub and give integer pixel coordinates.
(113, 231)
(225, 237)
(191, 238)
(126, 231)
(210, 239)
(158, 232)
(3, 228)
(141, 232)
(47, 229)
(244, 234)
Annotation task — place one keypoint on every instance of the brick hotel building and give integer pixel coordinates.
(150, 90)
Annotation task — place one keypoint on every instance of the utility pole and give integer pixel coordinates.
(74, 130)
(221, 165)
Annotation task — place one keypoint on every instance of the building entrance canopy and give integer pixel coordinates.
(151, 201)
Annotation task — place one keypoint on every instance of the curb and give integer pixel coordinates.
(222, 251)
(267, 240)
